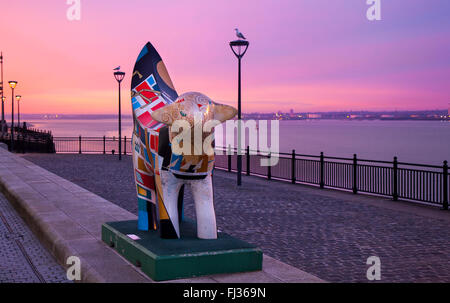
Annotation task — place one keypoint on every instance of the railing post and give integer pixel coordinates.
(24, 146)
(248, 160)
(395, 180)
(79, 144)
(293, 167)
(445, 186)
(269, 168)
(104, 144)
(125, 145)
(322, 168)
(229, 158)
(355, 174)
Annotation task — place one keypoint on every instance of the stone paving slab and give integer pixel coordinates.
(67, 219)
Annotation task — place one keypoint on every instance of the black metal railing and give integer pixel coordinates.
(398, 180)
(28, 140)
(92, 145)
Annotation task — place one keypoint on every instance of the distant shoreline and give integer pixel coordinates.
(423, 115)
(443, 119)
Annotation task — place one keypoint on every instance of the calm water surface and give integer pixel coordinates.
(411, 141)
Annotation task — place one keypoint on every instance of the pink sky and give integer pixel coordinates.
(308, 55)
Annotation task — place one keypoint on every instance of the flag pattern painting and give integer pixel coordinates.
(147, 98)
(151, 89)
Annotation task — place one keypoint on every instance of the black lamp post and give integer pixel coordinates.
(3, 107)
(119, 77)
(2, 87)
(13, 85)
(239, 48)
(18, 109)
(3, 122)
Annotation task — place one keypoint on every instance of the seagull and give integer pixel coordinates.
(239, 34)
(117, 68)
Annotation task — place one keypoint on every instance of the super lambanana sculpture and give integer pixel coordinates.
(172, 141)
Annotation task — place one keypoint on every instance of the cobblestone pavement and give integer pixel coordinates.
(327, 233)
(22, 258)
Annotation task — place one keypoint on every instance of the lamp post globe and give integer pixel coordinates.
(239, 48)
(12, 85)
(118, 75)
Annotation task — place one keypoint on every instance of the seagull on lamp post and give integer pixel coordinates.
(239, 34)
(117, 68)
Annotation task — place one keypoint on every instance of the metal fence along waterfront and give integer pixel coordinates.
(399, 180)
(28, 140)
(92, 145)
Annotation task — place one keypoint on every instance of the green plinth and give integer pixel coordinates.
(168, 259)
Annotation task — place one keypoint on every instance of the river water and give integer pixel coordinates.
(426, 142)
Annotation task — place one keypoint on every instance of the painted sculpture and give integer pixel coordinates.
(161, 171)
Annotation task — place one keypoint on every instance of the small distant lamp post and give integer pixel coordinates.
(239, 48)
(2, 89)
(3, 103)
(119, 77)
(18, 109)
(3, 107)
(13, 85)
(3, 122)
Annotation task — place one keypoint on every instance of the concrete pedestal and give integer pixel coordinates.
(168, 259)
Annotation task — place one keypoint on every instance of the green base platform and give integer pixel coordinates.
(168, 259)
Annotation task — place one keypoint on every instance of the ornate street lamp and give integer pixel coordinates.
(18, 109)
(119, 77)
(239, 48)
(13, 85)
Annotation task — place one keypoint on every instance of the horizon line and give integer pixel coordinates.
(274, 112)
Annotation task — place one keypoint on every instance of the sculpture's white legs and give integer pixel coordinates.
(171, 187)
(203, 198)
(204, 208)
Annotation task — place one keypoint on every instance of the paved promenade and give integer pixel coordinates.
(67, 219)
(23, 259)
(324, 232)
